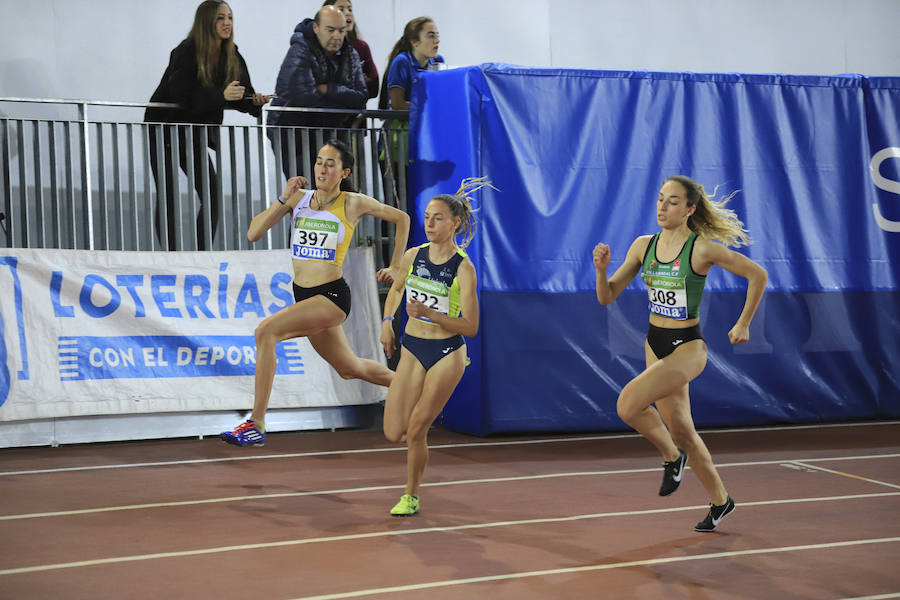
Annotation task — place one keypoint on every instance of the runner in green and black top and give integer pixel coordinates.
(443, 306)
(675, 289)
(673, 264)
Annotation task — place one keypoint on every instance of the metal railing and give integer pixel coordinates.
(92, 183)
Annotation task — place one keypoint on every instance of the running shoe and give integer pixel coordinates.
(245, 434)
(716, 514)
(407, 507)
(673, 473)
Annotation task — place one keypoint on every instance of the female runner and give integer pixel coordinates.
(322, 229)
(442, 305)
(673, 263)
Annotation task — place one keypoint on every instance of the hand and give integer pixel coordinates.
(260, 99)
(322, 88)
(386, 275)
(417, 309)
(234, 91)
(739, 334)
(387, 338)
(294, 184)
(601, 257)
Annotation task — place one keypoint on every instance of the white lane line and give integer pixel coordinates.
(376, 534)
(84, 511)
(376, 488)
(876, 597)
(436, 447)
(850, 475)
(603, 567)
(199, 461)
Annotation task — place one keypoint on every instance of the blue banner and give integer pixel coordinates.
(578, 158)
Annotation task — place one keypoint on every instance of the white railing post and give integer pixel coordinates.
(265, 168)
(86, 171)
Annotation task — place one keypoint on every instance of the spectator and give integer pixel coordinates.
(205, 74)
(370, 71)
(416, 51)
(321, 70)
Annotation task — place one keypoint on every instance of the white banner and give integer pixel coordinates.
(98, 333)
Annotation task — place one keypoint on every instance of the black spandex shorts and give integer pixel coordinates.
(664, 342)
(337, 291)
(429, 352)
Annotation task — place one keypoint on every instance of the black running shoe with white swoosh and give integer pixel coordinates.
(673, 473)
(716, 514)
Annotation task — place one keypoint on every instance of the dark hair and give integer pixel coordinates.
(353, 34)
(203, 32)
(411, 33)
(347, 161)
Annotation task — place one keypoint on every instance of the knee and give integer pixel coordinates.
(417, 431)
(625, 406)
(393, 434)
(624, 412)
(263, 333)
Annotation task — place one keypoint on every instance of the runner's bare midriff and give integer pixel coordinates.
(310, 273)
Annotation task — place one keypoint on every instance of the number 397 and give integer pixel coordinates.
(311, 238)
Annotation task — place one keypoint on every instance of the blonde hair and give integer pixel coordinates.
(460, 205)
(711, 219)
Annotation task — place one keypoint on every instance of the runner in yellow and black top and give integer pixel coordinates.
(673, 264)
(443, 306)
(322, 228)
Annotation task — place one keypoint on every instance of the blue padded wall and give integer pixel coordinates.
(578, 157)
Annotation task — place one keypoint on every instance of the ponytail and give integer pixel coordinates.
(460, 205)
(410, 33)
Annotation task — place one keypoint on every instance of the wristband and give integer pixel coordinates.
(386, 319)
(281, 200)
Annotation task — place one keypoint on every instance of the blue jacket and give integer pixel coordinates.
(302, 70)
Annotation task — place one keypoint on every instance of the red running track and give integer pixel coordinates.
(574, 516)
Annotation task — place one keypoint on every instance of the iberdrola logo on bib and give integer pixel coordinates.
(311, 224)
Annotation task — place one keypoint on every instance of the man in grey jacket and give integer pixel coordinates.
(321, 70)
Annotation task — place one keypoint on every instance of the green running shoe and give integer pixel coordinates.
(407, 507)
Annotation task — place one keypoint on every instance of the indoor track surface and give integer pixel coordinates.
(514, 517)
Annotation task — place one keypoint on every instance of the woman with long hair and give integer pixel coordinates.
(205, 74)
(322, 223)
(695, 235)
(416, 50)
(441, 301)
